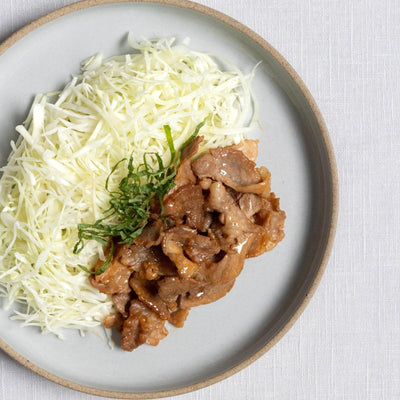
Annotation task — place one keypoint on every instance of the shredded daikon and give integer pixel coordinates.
(56, 172)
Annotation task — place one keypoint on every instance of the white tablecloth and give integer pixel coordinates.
(346, 345)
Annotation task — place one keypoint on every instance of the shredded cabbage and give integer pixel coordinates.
(56, 172)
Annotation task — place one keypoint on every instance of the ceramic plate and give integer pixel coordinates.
(221, 338)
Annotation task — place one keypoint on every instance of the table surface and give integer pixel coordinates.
(346, 345)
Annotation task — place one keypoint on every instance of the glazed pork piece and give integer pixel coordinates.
(220, 212)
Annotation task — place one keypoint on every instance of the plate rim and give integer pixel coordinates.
(332, 170)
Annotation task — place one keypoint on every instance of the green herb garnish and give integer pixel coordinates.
(134, 200)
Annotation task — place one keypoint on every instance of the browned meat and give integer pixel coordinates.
(201, 249)
(149, 263)
(133, 255)
(120, 301)
(152, 234)
(171, 288)
(115, 279)
(173, 248)
(227, 165)
(186, 293)
(220, 212)
(262, 188)
(205, 183)
(248, 147)
(187, 249)
(184, 173)
(142, 326)
(186, 205)
(147, 292)
(112, 320)
(255, 235)
(231, 167)
(250, 204)
(223, 271)
(153, 271)
(209, 294)
(236, 228)
(178, 318)
(272, 219)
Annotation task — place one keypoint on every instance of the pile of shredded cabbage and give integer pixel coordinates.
(56, 172)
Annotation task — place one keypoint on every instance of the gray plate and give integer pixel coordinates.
(220, 338)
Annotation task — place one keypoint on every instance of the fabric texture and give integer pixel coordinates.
(346, 345)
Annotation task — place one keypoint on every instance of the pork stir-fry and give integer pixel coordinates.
(220, 212)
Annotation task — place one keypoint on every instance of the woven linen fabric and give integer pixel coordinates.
(346, 344)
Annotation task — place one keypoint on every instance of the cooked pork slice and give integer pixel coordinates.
(186, 205)
(223, 271)
(171, 288)
(121, 301)
(184, 173)
(231, 167)
(185, 293)
(250, 204)
(201, 249)
(234, 228)
(261, 188)
(152, 271)
(173, 248)
(142, 326)
(248, 147)
(109, 320)
(178, 318)
(209, 294)
(272, 220)
(150, 263)
(133, 255)
(152, 233)
(228, 166)
(205, 183)
(113, 320)
(115, 279)
(147, 294)
(187, 249)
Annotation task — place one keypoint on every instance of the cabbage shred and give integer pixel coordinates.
(56, 173)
